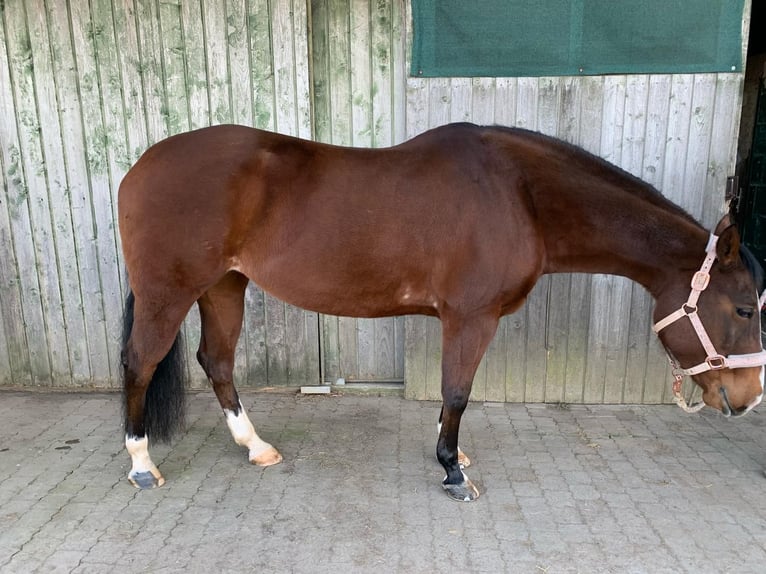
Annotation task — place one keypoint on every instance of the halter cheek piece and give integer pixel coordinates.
(714, 360)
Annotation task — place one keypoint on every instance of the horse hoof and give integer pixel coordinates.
(463, 492)
(462, 459)
(146, 480)
(268, 457)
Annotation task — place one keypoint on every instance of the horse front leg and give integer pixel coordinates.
(462, 458)
(221, 310)
(464, 341)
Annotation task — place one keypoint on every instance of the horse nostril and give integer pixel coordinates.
(728, 410)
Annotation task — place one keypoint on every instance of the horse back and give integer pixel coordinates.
(339, 230)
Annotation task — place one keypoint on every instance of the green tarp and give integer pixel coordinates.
(574, 37)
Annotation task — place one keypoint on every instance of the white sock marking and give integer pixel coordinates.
(243, 432)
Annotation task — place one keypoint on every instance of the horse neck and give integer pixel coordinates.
(610, 229)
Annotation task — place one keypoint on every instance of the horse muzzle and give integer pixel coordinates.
(729, 411)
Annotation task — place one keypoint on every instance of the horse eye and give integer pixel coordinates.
(745, 313)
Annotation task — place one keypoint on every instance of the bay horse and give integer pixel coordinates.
(457, 223)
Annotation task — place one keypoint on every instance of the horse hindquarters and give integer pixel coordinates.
(221, 309)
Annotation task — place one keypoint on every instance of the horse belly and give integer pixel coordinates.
(336, 290)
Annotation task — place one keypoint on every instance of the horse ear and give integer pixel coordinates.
(727, 248)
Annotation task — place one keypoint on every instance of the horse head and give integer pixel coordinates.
(713, 333)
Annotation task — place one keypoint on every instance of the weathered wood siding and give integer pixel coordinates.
(85, 87)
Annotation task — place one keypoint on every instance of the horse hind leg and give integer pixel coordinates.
(221, 310)
(154, 379)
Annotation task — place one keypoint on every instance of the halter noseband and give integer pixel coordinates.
(714, 361)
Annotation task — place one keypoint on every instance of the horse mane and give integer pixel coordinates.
(753, 265)
(592, 163)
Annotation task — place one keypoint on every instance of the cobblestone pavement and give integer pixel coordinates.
(565, 489)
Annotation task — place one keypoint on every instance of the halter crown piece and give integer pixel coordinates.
(714, 360)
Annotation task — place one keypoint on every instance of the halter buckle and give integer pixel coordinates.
(700, 280)
(716, 362)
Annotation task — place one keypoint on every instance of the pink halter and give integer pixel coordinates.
(714, 360)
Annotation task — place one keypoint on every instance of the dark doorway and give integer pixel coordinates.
(750, 209)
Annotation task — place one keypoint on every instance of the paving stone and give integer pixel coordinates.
(592, 489)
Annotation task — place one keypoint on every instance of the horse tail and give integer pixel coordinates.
(165, 401)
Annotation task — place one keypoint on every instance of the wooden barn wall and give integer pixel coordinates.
(586, 338)
(85, 87)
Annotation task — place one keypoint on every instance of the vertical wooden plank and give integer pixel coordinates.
(219, 82)
(291, 98)
(253, 342)
(6, 374)
(276, 341)
(723, 149)
(195, 58)
(177, 112)
(238, 44)
(698, 143)
(28, 162)
(399, 342)
(14, 217)
(385, 351)
(400, 67)
(505, 101)
(416, 358)
(434, 359)
(150, 70)
(320, 62)
(516, 355)
(679, 118)
(496, 364)
(483, 101)
(339, 75)
(93, 184)
(460, 100)
(360, 73)
(639, 325)
(383, 74)
(439, 102)
(55, 196)
(302, 74)
(129, 71)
